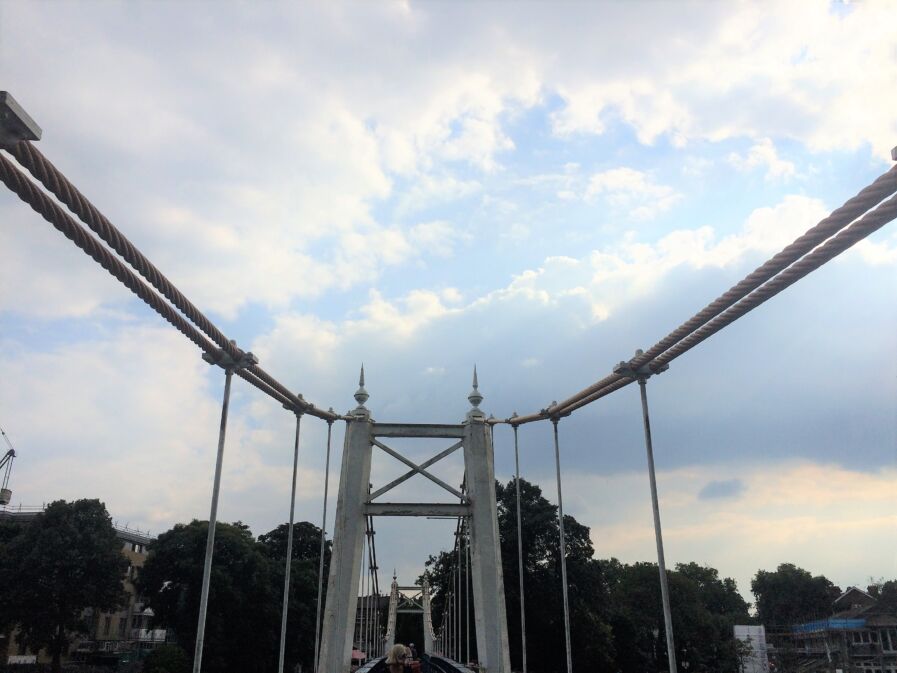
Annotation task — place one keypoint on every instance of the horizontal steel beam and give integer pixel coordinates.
(415, 509)
(418, 430)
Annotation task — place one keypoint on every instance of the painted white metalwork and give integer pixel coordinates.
(477, 504)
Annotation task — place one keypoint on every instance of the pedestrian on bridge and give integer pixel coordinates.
(396, 659)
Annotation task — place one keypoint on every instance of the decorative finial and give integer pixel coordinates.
(475, 397)
(361, 395)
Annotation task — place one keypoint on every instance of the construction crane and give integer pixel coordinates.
(6, 466)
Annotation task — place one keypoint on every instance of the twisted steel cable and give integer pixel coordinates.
(883, 186)
(868, 224)
(865, 226)
(57, 184)
(31, 194)
(26, 190)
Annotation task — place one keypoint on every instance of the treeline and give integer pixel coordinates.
(616, 615)
(68, 560)
(60, 568)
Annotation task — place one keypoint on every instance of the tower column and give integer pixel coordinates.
(348, 539)
(486, 570)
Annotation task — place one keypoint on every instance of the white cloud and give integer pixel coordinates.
(779, 513)
(633, 191)
(271, 177)
(132, 419)
(763, 154)
(437, 238)
(735, 71)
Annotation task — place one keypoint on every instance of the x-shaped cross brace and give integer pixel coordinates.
(418, 469)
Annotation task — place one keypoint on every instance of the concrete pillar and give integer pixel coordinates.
(391, 617)
(348, 539)
(486, 571)
(429, 637)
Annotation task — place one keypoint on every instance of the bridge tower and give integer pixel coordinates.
(391, 617)
(355, 503)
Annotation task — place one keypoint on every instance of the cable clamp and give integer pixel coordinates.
(643, 373)
(224, 360)
(296, 410)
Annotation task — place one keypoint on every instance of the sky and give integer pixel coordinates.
(535, 188)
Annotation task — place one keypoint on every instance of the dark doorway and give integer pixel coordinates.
(410, 629)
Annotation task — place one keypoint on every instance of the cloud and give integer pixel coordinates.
(437, 238)
(744, 517)
(632, 191)
(727, 73)
(763, 155)
(714, 490)
(281, 180)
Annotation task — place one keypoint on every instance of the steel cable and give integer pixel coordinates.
(53, 179)
(42, 204)
(883, 186)
(707, 321)
(868, 224)
(26, 190)
(865, 226)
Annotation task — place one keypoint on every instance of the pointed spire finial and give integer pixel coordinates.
(475, 397)
(361, 395)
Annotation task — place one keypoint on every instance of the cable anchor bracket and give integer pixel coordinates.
(16, 125)
(642, 373)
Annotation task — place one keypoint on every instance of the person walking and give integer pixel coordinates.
(395, 660)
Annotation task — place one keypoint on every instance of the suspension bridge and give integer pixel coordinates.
(473, 616)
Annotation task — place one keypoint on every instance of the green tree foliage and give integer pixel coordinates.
(66, 560)
(885, 592)
(167, 659)
(615, 609)
(791, 595)
(704, 609)
(300, 644)
(245, 593)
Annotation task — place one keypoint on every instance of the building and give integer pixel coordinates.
(122, 635)
(754, 655)
(859, 637)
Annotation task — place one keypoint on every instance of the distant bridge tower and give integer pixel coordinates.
(355, 503)
(429, 635)
(391, 618)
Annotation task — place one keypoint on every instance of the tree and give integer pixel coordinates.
(300, 642)
(243, 605)
(167, 659)
(616, 616)
(791, 595)
(590, 632)
(885, 592)
(245, 593)
(66, 560)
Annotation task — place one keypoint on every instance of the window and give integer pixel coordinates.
(889, 639)
(122, 627)
(107, 624)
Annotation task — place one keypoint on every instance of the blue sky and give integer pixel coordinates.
(539, 189)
